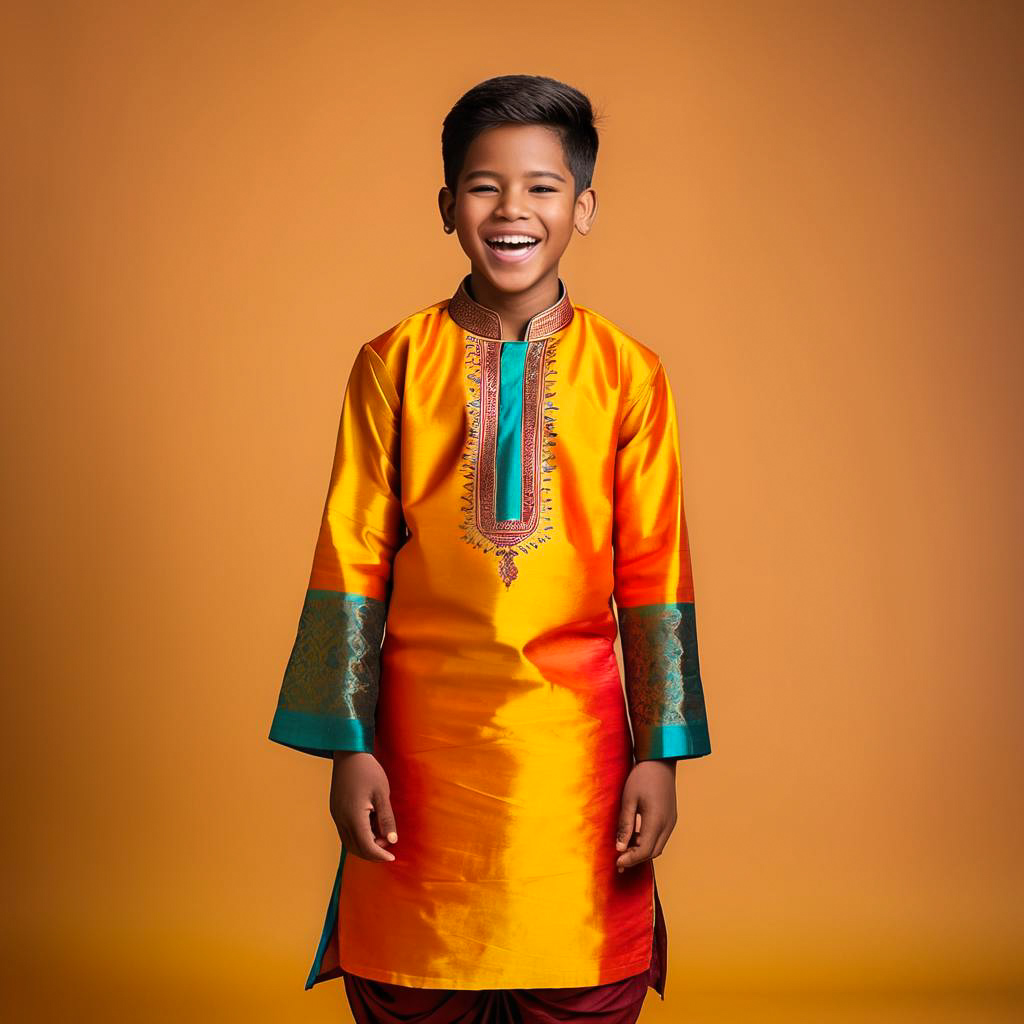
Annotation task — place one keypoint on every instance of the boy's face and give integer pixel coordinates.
(515, 181)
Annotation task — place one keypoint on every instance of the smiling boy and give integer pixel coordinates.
(507, 463)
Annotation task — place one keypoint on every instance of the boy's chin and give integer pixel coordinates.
(512, 278)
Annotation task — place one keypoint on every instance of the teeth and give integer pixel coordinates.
(511, 238)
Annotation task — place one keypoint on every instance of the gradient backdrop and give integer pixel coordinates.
(813, 211)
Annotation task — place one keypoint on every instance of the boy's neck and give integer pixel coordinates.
(515, 308)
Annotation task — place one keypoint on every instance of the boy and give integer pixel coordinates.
(506, 463)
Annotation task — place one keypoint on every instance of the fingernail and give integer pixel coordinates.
(392, 837)
(621, 870)
(620, 845)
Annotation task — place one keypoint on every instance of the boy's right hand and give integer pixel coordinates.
(361, 805)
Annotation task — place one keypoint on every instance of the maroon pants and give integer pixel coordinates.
(378, 1002)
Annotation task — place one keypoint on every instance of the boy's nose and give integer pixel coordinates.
(511, 206)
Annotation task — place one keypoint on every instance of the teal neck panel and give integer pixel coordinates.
(508, 471)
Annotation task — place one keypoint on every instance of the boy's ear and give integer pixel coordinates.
(586, 210)
(446, 204)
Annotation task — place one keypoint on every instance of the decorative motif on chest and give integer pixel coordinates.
(509, 453)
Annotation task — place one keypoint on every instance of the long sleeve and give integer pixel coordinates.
(329, 693)
(654, 582)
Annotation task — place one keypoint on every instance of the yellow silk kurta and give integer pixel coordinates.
(488, 500)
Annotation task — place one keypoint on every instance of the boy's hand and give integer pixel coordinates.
(650, 794)
(361, 805)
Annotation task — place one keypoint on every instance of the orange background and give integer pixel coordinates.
(812, 211)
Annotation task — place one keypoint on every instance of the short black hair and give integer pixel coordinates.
(522, 99)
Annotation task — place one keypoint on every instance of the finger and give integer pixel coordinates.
(627, 822)
(363, 838)
(375, 829)
(642, 850)
(378, 839)
(386, 826)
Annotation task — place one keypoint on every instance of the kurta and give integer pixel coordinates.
(489, 500)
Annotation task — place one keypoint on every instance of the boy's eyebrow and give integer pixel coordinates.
(529, 174)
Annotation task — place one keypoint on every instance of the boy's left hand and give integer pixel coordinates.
(650, 793)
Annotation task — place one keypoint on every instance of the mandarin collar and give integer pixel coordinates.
(483, 322)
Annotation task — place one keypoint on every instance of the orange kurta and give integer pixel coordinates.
(488, 500)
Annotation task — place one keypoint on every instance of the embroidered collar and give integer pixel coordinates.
(485, 323)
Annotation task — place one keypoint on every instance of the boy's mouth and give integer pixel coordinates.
(512, 247)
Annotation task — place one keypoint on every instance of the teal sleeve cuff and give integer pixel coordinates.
(328, 697)
(657, 742)
(662, 681)
(320, 735)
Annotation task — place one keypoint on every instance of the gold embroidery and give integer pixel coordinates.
(512, 537)
(483, 322)
(334, 668)
(662, 671)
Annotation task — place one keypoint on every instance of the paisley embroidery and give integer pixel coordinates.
(508, 538)
(662, 671)
(334, 668)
